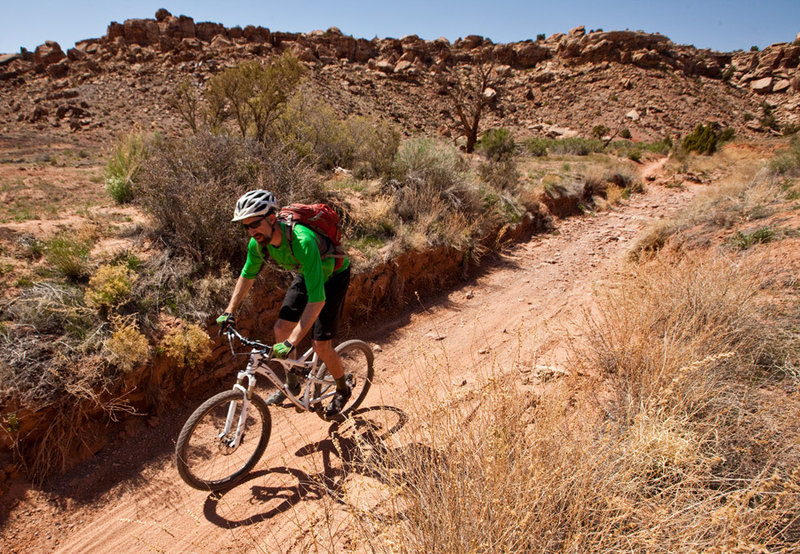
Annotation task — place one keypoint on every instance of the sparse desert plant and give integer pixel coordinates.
(536, 147)
(123, 166)
(68, 253)
(599, 131)
(787, 161)
(705, 139)
(252, 94)
(109, 286)
(187, 344)
(190, 185)
(575, 146)
(127, 347)
(497, 144)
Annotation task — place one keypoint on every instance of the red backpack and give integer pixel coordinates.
(321, 219)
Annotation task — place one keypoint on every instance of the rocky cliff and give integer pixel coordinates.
(564, 84)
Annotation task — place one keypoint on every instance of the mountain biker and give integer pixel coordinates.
(312, 302)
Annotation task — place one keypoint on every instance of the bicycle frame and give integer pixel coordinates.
(260, 355)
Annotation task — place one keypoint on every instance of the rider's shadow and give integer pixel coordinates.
(357, 443)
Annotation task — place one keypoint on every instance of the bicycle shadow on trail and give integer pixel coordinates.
(351, 447)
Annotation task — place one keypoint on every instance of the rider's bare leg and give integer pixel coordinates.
(326, 353)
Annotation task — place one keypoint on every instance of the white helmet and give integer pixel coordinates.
(253, 203)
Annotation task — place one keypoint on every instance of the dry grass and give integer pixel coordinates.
(683, 443)
(684, 439)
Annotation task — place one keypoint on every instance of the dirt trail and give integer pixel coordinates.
(510, 314)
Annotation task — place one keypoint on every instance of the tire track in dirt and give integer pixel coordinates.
(513, 313)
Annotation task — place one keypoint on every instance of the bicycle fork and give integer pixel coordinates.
(251, 381)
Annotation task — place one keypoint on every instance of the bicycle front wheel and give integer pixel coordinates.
(357, 358)
(208, 455)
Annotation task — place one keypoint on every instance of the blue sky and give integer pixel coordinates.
(723, 25)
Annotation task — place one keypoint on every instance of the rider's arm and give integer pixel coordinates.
(307, 319)
(243, 286)
(255, 259)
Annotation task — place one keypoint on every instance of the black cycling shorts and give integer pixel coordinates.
(328, 321)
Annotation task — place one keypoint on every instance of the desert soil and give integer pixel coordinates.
(521, 313)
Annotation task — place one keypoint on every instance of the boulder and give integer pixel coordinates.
(762, 86)
(781, 85)
(143, 32)
(489, 94)
(469, 42)
(8, 58)
(633, 115)
(48, 53)
(577, 32)
(528, 54)
(58, 70)
(403, 66)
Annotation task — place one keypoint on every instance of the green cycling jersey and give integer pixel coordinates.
(302, 256)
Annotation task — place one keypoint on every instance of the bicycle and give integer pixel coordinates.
(215, 448)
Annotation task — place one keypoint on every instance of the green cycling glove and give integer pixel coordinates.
(224, 321)
(282, 349)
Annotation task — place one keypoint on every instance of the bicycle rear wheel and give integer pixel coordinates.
(206, 456)
(357, 358)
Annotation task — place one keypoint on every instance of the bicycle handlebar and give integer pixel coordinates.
(232, 333)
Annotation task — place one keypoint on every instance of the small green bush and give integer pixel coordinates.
(123, 167)
(745, 240)
(69, 255)
(768, 119)
(787, 162)
(599, 131)
(315, 132)
(625, 133)
(536, 146)
(497, 144)
(705, 139)
(575, 146)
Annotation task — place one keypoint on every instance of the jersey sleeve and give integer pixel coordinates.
(255, 259)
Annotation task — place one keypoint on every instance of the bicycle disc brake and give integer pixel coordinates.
(226, 444)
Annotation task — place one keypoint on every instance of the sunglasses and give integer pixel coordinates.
(254, 224)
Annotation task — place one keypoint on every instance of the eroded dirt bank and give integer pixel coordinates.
(130, 497)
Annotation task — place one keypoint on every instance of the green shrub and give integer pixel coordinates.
(540, 36)
(431, 182)
(496, 144)
(625, 133)
(438, 165)
(768, 119)
(536, 147)
(252, 95)
(599, 131)
(705, 139)
(745, 240)
(787, 162)
(69, 255)
(123, 167)
(500, 174)
(575, 146)
(314, 131)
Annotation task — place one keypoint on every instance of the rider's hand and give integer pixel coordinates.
(282, 349)
(224, 321)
